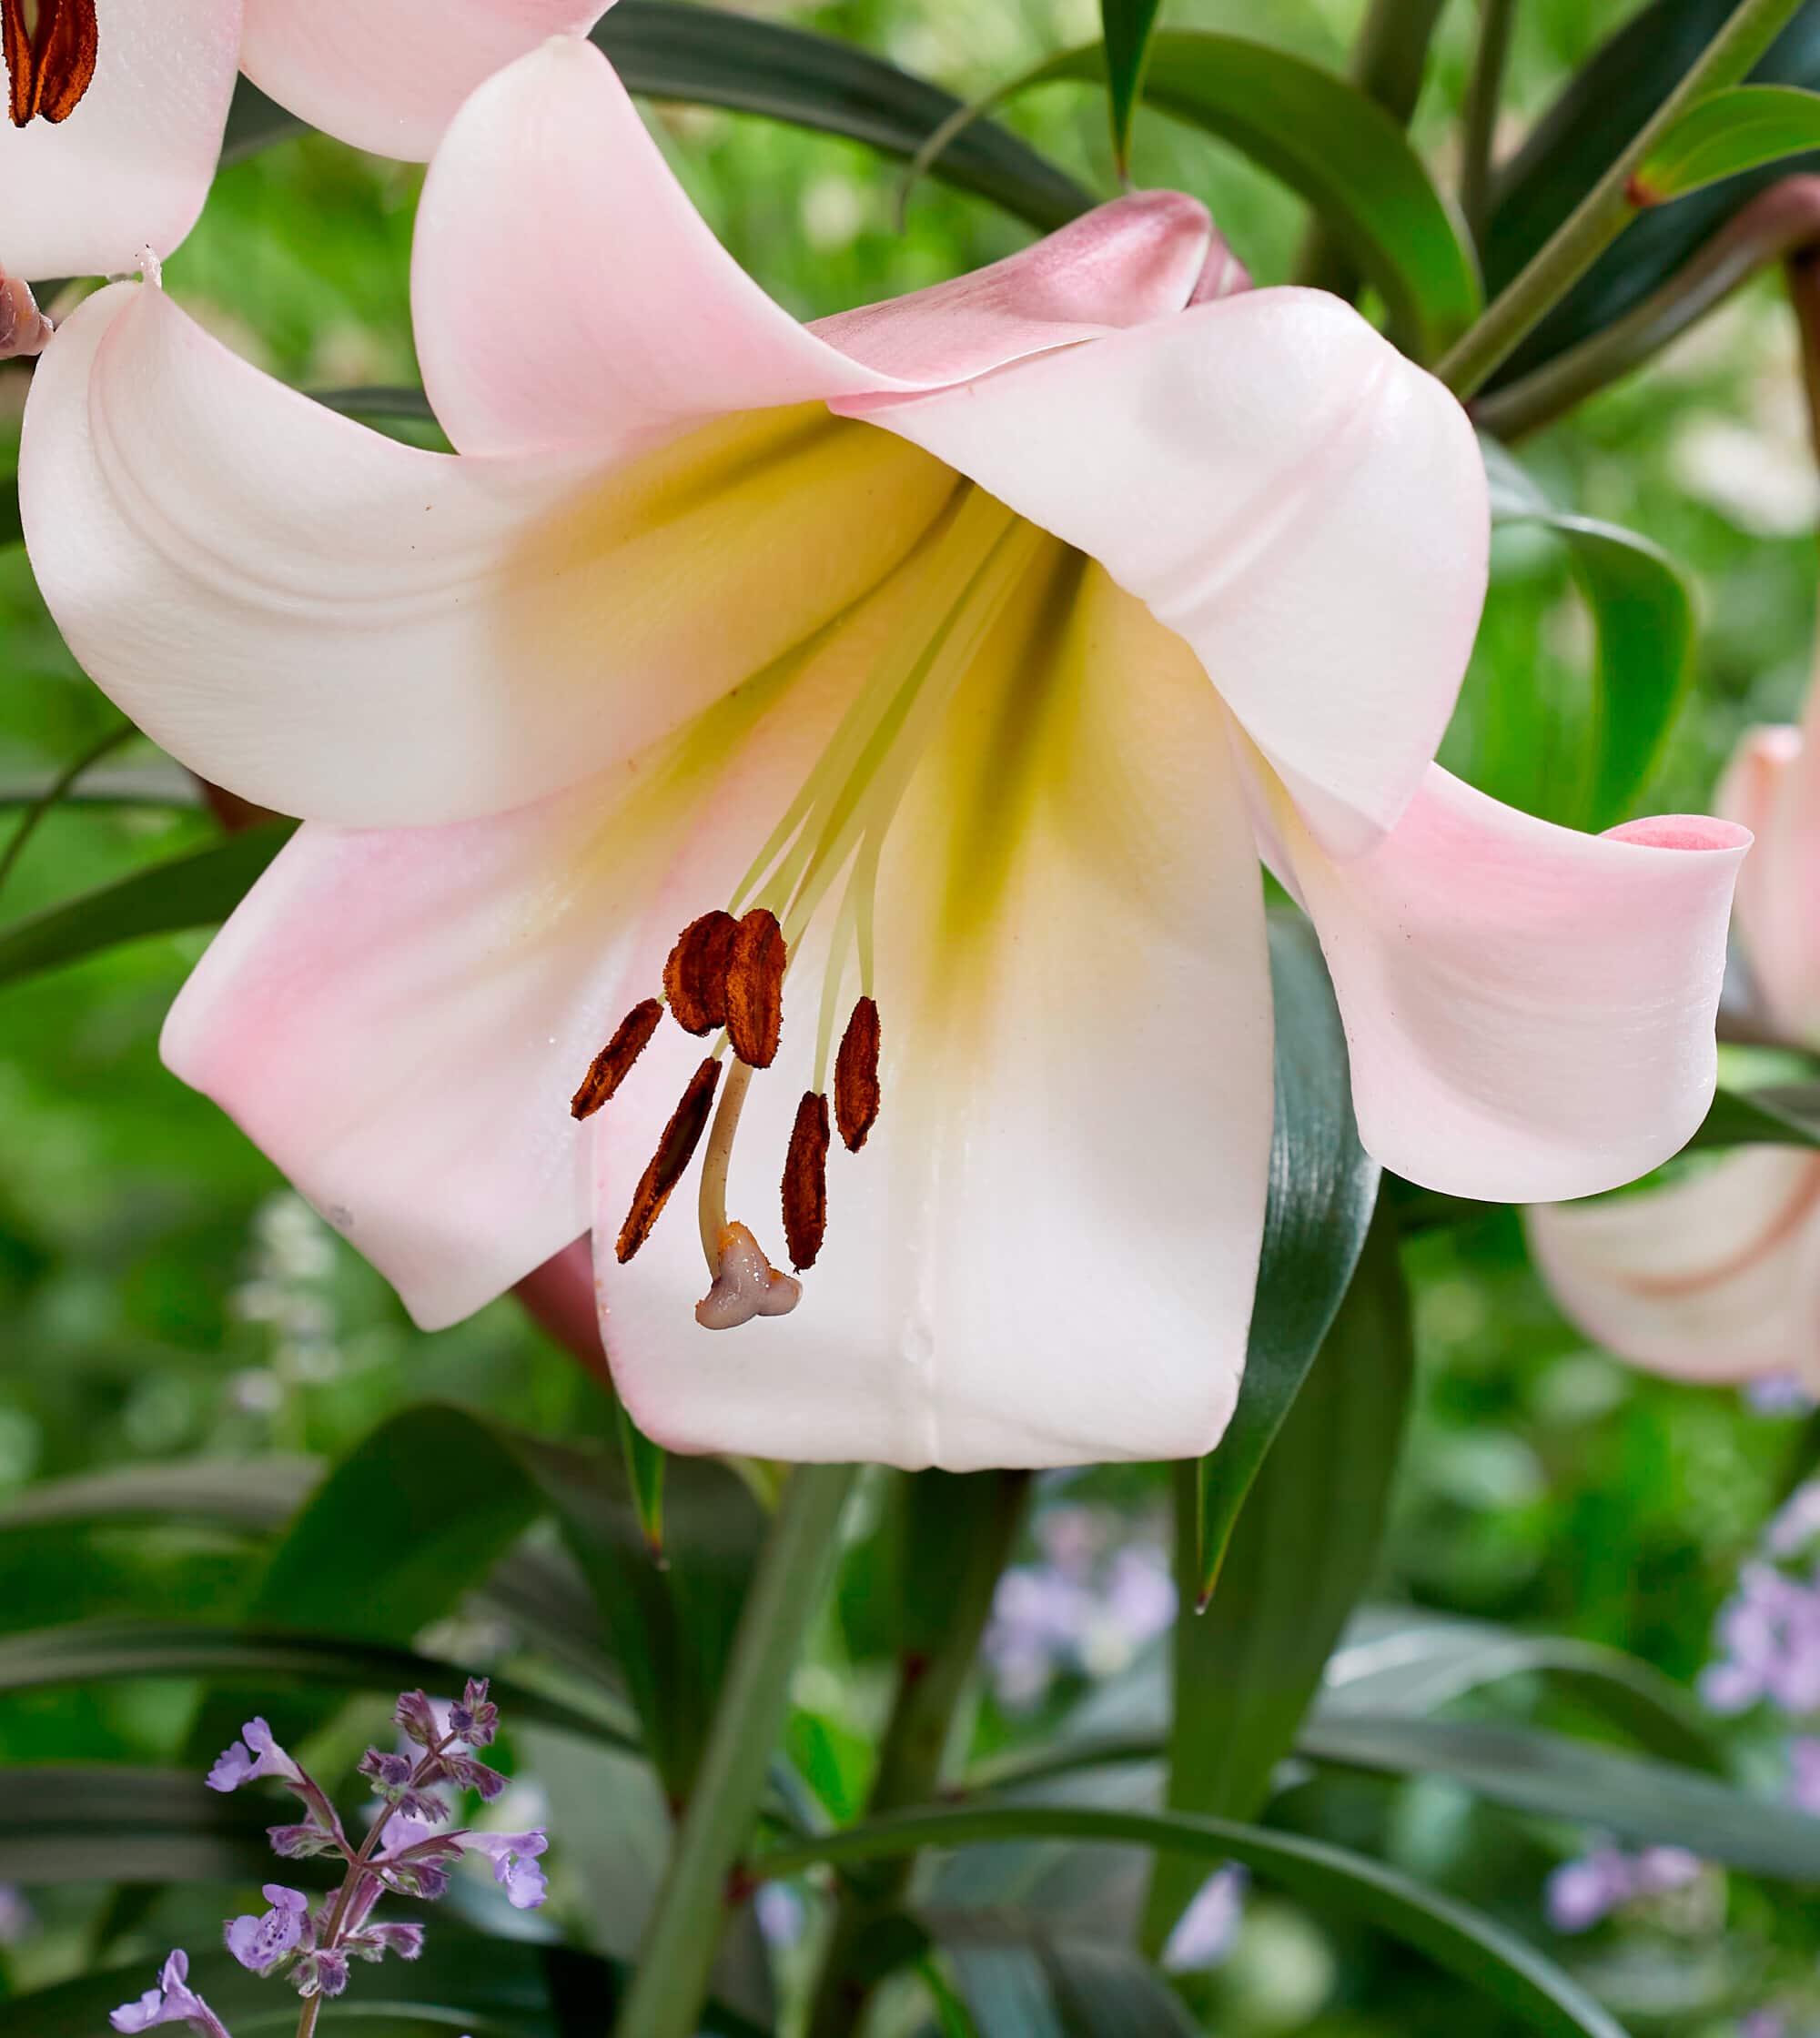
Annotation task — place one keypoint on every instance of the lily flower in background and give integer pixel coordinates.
(116, 107)
(889, 713)
(1717, 1277)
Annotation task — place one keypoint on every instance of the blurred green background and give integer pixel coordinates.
(162, 1294)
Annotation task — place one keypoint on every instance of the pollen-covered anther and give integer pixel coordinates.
(805, 1182)
(696, 976)
(674, 1151)
(755, 988)
(746, 1285)
(50, 63)
(612, 1065)
(857, 1096)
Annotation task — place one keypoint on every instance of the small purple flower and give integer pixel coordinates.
(1658, 1869)
(172, 2002)
(263, 1941)
(255, 1756)
(467, 1774)
(1778, 1394)
(377, 1941)
(1205, 1931)
(780, 1913)
(1580, 1893)
(417, 1716)
(476, 1719)
(301, 1843)
(514, 1859)
(322, 1973)
(1763, 2023)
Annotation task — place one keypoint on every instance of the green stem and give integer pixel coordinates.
(1608, 208)
(1484, 95)
(64, 780)
(962, 1527)
(677, 1951)
(1778, 223)
(1388, 63)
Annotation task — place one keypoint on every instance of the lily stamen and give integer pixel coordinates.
(671, 1162)
(805, 1182)
(856, 1091)
(50, 50)
(614, 1064)
(696, 976)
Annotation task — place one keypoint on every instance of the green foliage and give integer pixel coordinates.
(1125, 29)
(1738, 129)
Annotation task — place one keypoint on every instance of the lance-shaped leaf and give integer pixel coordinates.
(1642, 620)
(1490, 1958)
(1126, 27)
(1738, 129)
(1302, 1552)
(1781, 1114)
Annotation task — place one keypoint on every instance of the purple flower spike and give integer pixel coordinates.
(1580, 1893)
(1207, 1930)
(476, 1719)
(254, 1756)
(514, 1859)
(417, 1716)
(467, 1774)
(172, 2002)
(262, 1942)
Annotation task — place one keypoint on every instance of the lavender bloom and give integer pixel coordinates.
(1578, 1895)
(255, 1756)
(1769, 1633)
(1778, 1394)
(467, 1774)
(1763, 2023)
(515, 1870)
(1207, 1930)
(404, 1940)
(300, 1843)
(262, 1942)
(780, 1913)
(1658, 1869)
(1085, 1610)
(172, 2002)
(17, 1916)
(322, 1973)
(476, 1719)
(417, 1716)
(392, 1775)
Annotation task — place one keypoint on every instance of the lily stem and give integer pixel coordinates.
(677, 1951)
(961, 1528)
(1484, 94)
(1610, 207)
(1388, 63)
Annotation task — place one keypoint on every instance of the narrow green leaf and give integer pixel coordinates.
(160, 784)
(1022, 1979)
(1547, 1775)
(1481, 1951)
(665, 49)
(195, 890)
(109, 1823)
(644, 1463)
(259, 1495)
(1738, 129)
(1323, 1187)
(1785, 1114)
(1327, 141)
(1126, 27)
(1302, 1552)
(1642, 621)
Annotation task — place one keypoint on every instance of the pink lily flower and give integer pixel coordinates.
(1717, 1277)
(117, 106)
(959, 653)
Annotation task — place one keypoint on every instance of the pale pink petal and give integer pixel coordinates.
(340, 627)
(564, 286)
(399, 1018)
(1773, 786)
(1046, 1252)
(1530, 1010)
(388, 75)
(131, 166)
(1714, 1278)
(1306, 507)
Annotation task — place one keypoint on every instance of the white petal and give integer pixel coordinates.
(1773, 787)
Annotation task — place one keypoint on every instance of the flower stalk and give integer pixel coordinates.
(677, 1952)
(1484, 93)
(1610, 207)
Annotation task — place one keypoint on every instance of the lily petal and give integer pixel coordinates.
(399, 1017)
(1714, 1278)
(1772, 786)
(337, 626)
(388, 75)
(564, 286)
(1530, 1010)
(1032, 1261)
(1303, 505)
(130, 166)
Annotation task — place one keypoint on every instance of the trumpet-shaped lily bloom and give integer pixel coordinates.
(1717, 1277)
(117, 106)
(751, 718)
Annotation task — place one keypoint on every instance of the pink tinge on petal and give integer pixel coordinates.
(1714, 1278)
(1772, 786)
(559, 1297)
(1530, 1010)
(388, 75)
(566, 290)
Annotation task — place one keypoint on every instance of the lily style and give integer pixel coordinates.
(116, 107)
(757, 733)
(1717, 1277)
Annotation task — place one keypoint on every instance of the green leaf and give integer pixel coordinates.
(644, 1463)
(494, 1988)
(195, 890)
(665, 49)
(114, 1823)
(1022, 1980)
(1326, 140)
(1737, 129)
(106, 1651)
(1548, 1776)
(160, 784)
(1126, 28)
(1481, 1951)
(1781, 1114)
(1642, 621)
(1323, 1187)
(259, 1495)
(1302, 1552)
